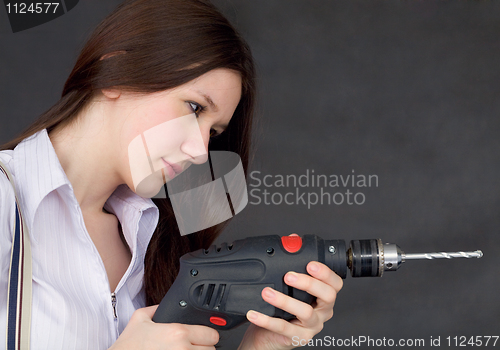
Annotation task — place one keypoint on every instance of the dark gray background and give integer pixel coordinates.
(404, 90)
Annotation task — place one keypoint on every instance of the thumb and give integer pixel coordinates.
(149, 311)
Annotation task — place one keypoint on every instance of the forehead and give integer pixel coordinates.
(217, 83)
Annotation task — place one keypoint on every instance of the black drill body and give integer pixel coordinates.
(218, 286)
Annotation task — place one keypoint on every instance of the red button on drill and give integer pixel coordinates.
(292, 243)
(219, 321)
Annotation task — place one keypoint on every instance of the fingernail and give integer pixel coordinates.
(269, 293)
(291, 277)
(313, 267)
(252, 315)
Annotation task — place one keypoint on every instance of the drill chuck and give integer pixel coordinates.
(370, 257)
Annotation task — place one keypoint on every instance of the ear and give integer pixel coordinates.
(111, 93)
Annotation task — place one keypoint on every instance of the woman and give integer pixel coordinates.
(148, 63)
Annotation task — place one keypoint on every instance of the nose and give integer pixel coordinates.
(196, 146)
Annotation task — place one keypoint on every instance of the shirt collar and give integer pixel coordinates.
(37, 172)
(139, 213)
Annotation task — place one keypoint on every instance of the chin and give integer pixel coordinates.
(150, 186)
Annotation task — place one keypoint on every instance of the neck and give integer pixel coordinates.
(86, 151)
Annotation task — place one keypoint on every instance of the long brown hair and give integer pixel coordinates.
(150, 46)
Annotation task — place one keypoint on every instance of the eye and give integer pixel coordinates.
(196, 108)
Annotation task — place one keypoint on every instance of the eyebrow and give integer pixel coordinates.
(209, 101)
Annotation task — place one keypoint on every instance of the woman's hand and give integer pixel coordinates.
(142, 333)
(270, 333)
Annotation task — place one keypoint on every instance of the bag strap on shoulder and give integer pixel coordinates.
(20, 279)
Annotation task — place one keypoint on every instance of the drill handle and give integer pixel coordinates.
(215, 293)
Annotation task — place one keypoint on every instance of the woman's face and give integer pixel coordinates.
(163, 133)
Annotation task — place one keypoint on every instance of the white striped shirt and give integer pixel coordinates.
(72, 306)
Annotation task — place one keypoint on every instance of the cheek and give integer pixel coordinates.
(151, 122)
(144, 133)
(164, 140)
(167, 139)
(156, 115)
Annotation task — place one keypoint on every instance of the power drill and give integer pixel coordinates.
(216, 287)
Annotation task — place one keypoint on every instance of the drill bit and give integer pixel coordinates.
(443, 255)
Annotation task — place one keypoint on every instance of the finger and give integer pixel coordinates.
(199, 335)
(144, 314)
(304, 312)
(325, 274)
(325, 293)
(273, 324)
(202, 335)
(149, 311)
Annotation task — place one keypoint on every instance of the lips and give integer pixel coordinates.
(172, 169)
